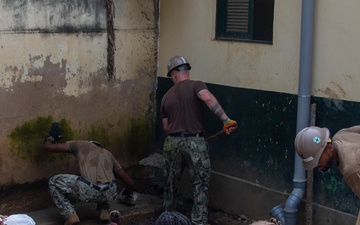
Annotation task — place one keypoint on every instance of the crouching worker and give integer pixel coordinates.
(317, 150)
(98, 169)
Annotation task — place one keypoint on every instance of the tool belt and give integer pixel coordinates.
(101, 187)
(186, 135)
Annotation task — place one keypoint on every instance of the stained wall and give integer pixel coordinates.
(54, 67)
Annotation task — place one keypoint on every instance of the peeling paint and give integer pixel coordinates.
(53, 16)
(39, 66)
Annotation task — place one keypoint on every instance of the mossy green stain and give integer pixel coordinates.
(139, 136)
(26, 140)
(98, 133)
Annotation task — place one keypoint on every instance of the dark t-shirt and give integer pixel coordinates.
(183, 108)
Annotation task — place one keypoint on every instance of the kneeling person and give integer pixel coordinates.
(96, 183)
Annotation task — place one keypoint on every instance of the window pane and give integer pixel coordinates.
(245, 20)
(237, 16)
(263, 20)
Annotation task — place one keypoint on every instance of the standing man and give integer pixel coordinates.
(182, 118)
(96, 183)
(316, 149)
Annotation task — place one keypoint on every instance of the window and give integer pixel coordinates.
(245, 20)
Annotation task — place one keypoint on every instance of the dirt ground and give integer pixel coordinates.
(25, 199)
(30, 198)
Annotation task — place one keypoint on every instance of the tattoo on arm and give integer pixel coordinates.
(217, 110)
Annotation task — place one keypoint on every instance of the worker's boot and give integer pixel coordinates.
(72, 219)
(104, 215)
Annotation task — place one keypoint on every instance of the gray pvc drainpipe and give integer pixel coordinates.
(288, 215)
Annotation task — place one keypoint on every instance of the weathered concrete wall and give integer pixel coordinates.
(52, 15)
(54, 67)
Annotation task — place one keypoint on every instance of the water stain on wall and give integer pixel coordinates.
(139, 136)
(60, 16)
(334, 91)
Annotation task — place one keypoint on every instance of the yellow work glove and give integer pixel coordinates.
(229, 125)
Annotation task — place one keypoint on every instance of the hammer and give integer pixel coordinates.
(221, 132)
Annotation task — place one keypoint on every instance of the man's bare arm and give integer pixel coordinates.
(51, 146)
(209, 99)
(165, 123)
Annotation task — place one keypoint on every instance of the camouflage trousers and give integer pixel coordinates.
(192, 152)
(65, 188)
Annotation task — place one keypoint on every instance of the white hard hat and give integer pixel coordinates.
(310, 142)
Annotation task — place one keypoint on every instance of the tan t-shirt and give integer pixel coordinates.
(96, 164)
(348, 142)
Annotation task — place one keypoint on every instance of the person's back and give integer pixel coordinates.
(183, 108)
(348, 150)
(95, 163)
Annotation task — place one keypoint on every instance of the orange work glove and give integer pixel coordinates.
(229, 125)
